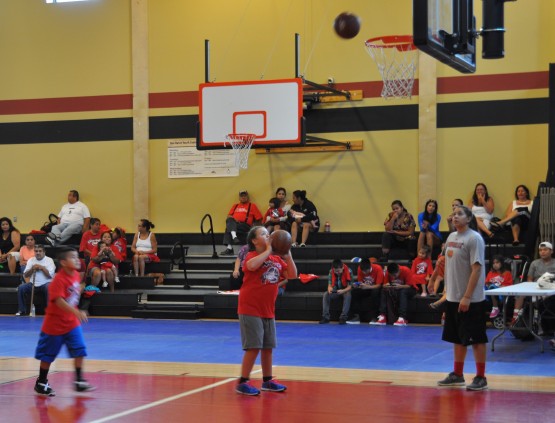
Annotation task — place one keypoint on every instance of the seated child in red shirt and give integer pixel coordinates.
(272, 216)
(422, 269)
(497, 277)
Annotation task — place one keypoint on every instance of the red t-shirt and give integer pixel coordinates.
(420, 269)
(373, 277)
(497, 280)
(239, 213)
(121, 245)
(88, 242)
(257, 296)
(95, 253)
(404, 278)
(440, 266)
(66, 286)
(272, 213)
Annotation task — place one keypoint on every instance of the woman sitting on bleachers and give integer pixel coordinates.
(428, 221)
(482, 208)
(518, 213)
(303, 214)
(144, 247)
(10, 242)
(399, 231)
(281, 194)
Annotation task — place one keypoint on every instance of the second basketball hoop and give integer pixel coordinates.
(241, 144)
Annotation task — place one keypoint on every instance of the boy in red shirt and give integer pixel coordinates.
(398, 282)
(257, 303)
(368, 284)
(62, 324)
(422, 268)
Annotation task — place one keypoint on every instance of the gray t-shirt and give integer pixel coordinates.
(539, 267)
(461, 252)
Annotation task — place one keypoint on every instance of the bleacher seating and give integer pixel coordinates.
(205, 275)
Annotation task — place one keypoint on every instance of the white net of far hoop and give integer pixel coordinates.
(241, 144)
(395, 56)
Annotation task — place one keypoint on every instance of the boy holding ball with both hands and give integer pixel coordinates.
(263, 271)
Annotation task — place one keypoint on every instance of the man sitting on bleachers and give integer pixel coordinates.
(39, 271)
(73, 219)
(239, 221)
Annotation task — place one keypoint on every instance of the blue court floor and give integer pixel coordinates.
(412, 348)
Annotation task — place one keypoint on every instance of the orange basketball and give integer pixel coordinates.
(281, 242)
(347, 25)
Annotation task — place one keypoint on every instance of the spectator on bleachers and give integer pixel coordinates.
(428, 221)
(40, 270)
(455, 203)
(274, 214)
(517, 214)
(9, 244)
(90, 238)
(73, 219)
(281, 195)
(546, 263)
(399, 231)
(368, 284)
(105, 259)
(434, 284)
(240, 219)
(302, 215)
(422, 269)
(119, 241)
(340, 279)
(236, 277)
(400, 288)
(144, 247)
(26, 252)
(482, 207)
(498, 277)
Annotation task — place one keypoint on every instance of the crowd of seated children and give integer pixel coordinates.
(498, 277)
(104, 262)
(368, 283)
(399, 286)
(340, 279)
(422, 269)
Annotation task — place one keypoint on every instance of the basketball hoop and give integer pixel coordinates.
(241, 144)
(395, 56)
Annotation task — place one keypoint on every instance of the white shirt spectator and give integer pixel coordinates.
(40, 277)
(74, 213)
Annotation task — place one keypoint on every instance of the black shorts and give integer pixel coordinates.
(465, 328)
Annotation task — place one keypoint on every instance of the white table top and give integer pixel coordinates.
(525, 289)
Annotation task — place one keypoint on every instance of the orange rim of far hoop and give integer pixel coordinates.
(400, 42)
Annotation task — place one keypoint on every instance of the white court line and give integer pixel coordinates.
(165, 400)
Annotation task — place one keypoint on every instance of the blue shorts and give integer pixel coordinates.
(49, 346)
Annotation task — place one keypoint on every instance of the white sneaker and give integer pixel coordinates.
(400, 322)
(116, 280)
(105, 284)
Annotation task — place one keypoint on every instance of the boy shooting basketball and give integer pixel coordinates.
(62, 324)
(263, 271)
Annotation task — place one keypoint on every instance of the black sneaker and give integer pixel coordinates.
(44, 389)
(342, 321)
(324, 321)
(354, 321)
(236, 240)
(49, 241)
(83, 386)
(227, 252)
(479, 383)
(452, 379)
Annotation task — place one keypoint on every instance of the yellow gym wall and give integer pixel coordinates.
(84, 49)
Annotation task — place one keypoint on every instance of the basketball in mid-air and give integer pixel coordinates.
(347, 25)
(281, 242)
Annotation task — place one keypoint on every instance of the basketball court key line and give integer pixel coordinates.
(165, 400)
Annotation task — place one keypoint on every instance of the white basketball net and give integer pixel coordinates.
(241, 144)
(396, 60)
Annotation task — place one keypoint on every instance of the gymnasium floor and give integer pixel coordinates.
(169, 370)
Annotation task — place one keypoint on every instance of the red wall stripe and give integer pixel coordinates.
(371, 89)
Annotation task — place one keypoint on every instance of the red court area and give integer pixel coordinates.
(151, 398)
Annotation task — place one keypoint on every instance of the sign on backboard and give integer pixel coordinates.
(272, 110)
